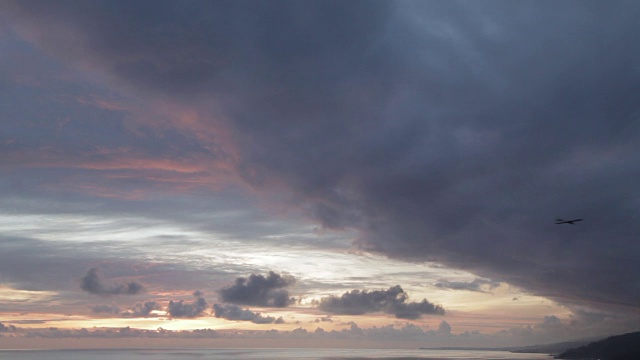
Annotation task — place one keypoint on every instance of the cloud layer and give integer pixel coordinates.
(550, 329)
(446, 131)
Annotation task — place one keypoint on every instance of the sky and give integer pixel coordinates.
(318, 173)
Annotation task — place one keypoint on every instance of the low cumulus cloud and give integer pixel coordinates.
(235, 312)
(549, 329)
(478, 284)
(143, 309)
(392, 301)
(323, 319)
(259, 290)
(138, 310)
(444, 327)
(180, 309)
(7, 328)
(117, 333)
(93, 283)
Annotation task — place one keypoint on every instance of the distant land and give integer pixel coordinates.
(620, 347)
(555, 348)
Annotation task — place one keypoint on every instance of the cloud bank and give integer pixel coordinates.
(392, 301)
(549, 330)
(234, 312)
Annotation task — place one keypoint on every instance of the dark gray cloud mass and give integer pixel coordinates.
(180, 309)
(259, 290)
(93, 283)
(391, 301)
(235, 312)
(446, 131)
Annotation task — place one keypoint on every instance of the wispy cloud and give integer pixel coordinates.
(477, 284)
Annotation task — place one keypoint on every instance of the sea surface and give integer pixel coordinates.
(264, 354)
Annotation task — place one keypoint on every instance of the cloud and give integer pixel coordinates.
(180, 309)
(7, 328)
(438, 131)
(144, 309)
(119, 333)
(107, 309)
(444, 327)
(93, 283)
(260, 290)
(477, 284)
(323, 319)
(234, 312)
(391, 301)
(550, 329)
(580, 317)
(550, 322)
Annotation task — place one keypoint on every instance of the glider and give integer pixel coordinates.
(563, 221)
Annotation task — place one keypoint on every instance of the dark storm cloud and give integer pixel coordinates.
(235, 312)
(391, 301)
(446, 131)
(93, 283)
(480, 285)
(196, 47)
(180, 309)
(260, 290)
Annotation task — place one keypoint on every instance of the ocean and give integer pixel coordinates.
(264, 354)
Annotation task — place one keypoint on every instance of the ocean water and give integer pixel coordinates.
(264, 354)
